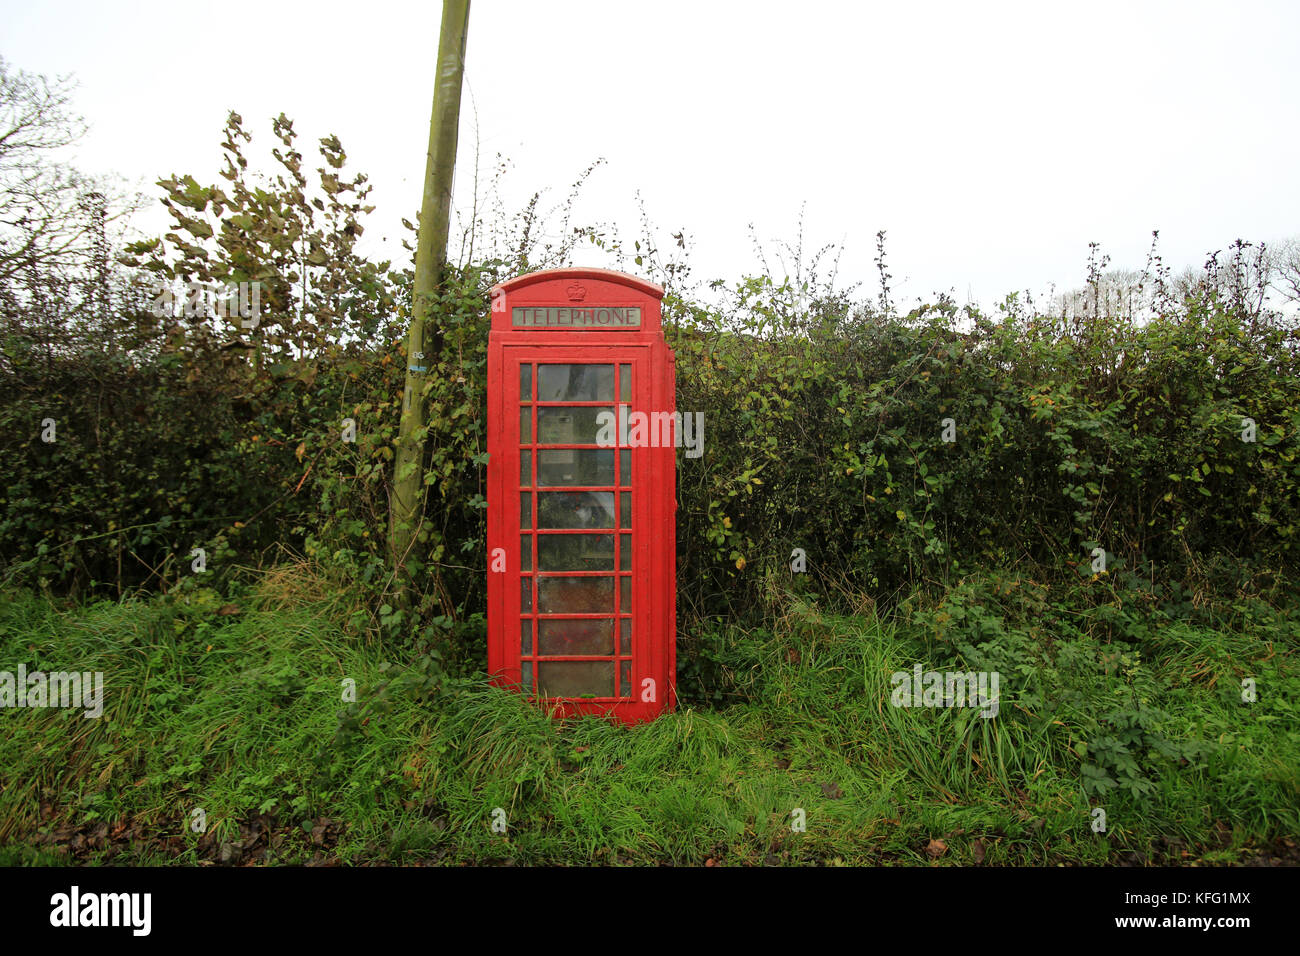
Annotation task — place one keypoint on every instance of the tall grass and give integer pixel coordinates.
(243, 716)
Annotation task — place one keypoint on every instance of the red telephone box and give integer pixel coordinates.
(582, 607)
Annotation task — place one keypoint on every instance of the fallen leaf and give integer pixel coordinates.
(832, 790)
(936, 849)
(978, 851)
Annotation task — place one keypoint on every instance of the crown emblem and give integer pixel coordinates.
(576, 292)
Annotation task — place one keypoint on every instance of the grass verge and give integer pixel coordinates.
(242, 716)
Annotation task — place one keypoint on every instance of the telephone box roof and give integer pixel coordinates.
(603, 275)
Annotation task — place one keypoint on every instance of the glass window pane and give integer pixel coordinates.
(575, 466)
(525, 509)
(577, 425)
(576, 678)
(525, 468)
(526, 595)
(575, 552)
(625, 509)
(625, 383)
(526, 425)
(525, 383)
(625, 552)
(526, 636)
(625, 680)
(575, 383)
(575, 595)
(625, 594)
(579, 636)
(525, 552)
(528, 676)
(575, 509)
(625, 467)
(625, 636)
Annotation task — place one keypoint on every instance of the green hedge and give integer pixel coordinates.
(824, 430)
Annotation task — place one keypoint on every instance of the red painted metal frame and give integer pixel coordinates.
(653, 479)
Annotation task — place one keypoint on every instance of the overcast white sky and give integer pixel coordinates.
(992, 140)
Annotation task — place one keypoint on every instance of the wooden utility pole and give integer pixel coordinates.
(406, 511)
